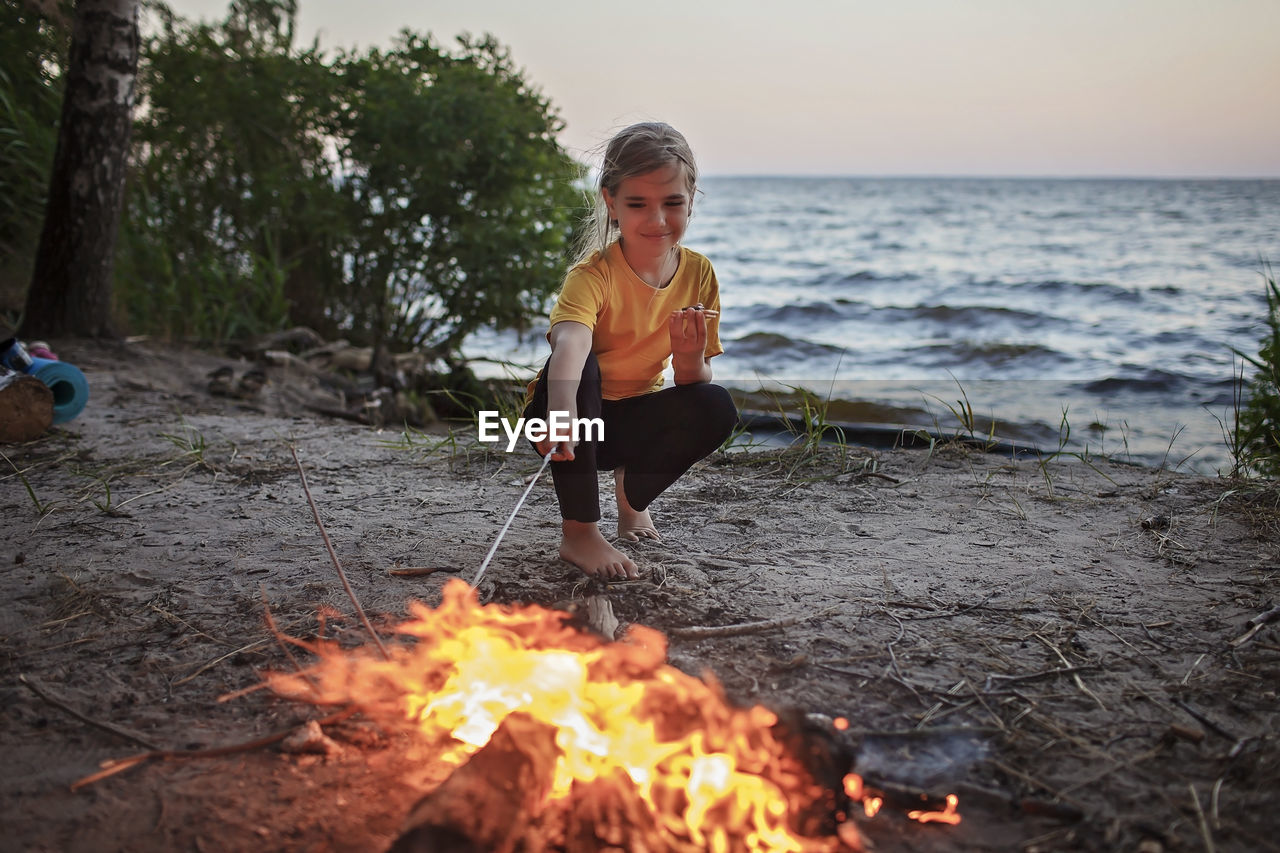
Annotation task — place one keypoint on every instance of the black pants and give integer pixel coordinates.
(655, 437)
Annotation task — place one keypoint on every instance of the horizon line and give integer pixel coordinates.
(985, 176)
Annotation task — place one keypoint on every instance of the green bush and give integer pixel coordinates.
(400, 198)
(1257, 434)
(33, 47)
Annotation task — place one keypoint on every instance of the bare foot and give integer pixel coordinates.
(632, 525)
(585, 546)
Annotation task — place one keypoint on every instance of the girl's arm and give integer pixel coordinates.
(570, 346)
(688, 329)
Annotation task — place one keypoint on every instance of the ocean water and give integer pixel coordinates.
(1098, 314)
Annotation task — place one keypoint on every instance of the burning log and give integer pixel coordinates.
(498, 801)
(488, 803)
(580, 744)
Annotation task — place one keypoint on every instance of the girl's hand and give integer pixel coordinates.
(688, 330)
(563, 450)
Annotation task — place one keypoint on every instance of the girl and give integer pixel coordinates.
(635, 302)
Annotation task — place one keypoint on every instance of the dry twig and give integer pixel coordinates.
(252, 646)
(701, 632)
(111, 768)
(422, 571)
(118, 731)
(334, 557)
(1205, 721)
(1255, 625)
(1048, 673)
(1200, 819)
(1075, 676)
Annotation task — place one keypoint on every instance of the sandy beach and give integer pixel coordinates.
(1060, 640)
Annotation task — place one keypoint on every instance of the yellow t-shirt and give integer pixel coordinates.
(628, 318)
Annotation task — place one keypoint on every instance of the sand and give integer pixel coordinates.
(1061, 631)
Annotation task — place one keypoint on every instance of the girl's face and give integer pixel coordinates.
(652, 210)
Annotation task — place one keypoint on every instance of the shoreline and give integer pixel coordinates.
(1065, 614)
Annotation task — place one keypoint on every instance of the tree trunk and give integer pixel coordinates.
(71, 285)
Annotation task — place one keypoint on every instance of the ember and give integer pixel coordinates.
(711, 776)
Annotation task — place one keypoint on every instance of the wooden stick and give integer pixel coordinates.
(1205, 721)
(1034, 782)
(219, 660)
(1255, 625)
(111, 768)
(1048, 673)
(1075, 676)
(1102, 774)
(955, 688)
(699, 632)
(421, 571)
(934, 733)
(118, 731)
(276, 632)
(1200, 819)
(334, 557)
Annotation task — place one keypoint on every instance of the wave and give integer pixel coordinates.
(867, 275)
(1088, 288)
(992, 354)
(807, 313)
(1150, 381)
(968, 315)
(772, 344)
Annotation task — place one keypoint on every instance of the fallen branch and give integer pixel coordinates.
(700, 632)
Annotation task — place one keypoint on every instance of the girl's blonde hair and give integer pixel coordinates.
(633, 151)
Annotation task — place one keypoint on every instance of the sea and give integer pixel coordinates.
(1099, 317)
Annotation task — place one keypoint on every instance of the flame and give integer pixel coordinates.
(947, 815)
(715, 776)
(855, 791)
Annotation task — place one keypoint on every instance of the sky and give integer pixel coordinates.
(1167, 88)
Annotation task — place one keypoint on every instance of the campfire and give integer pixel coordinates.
(562, 740)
